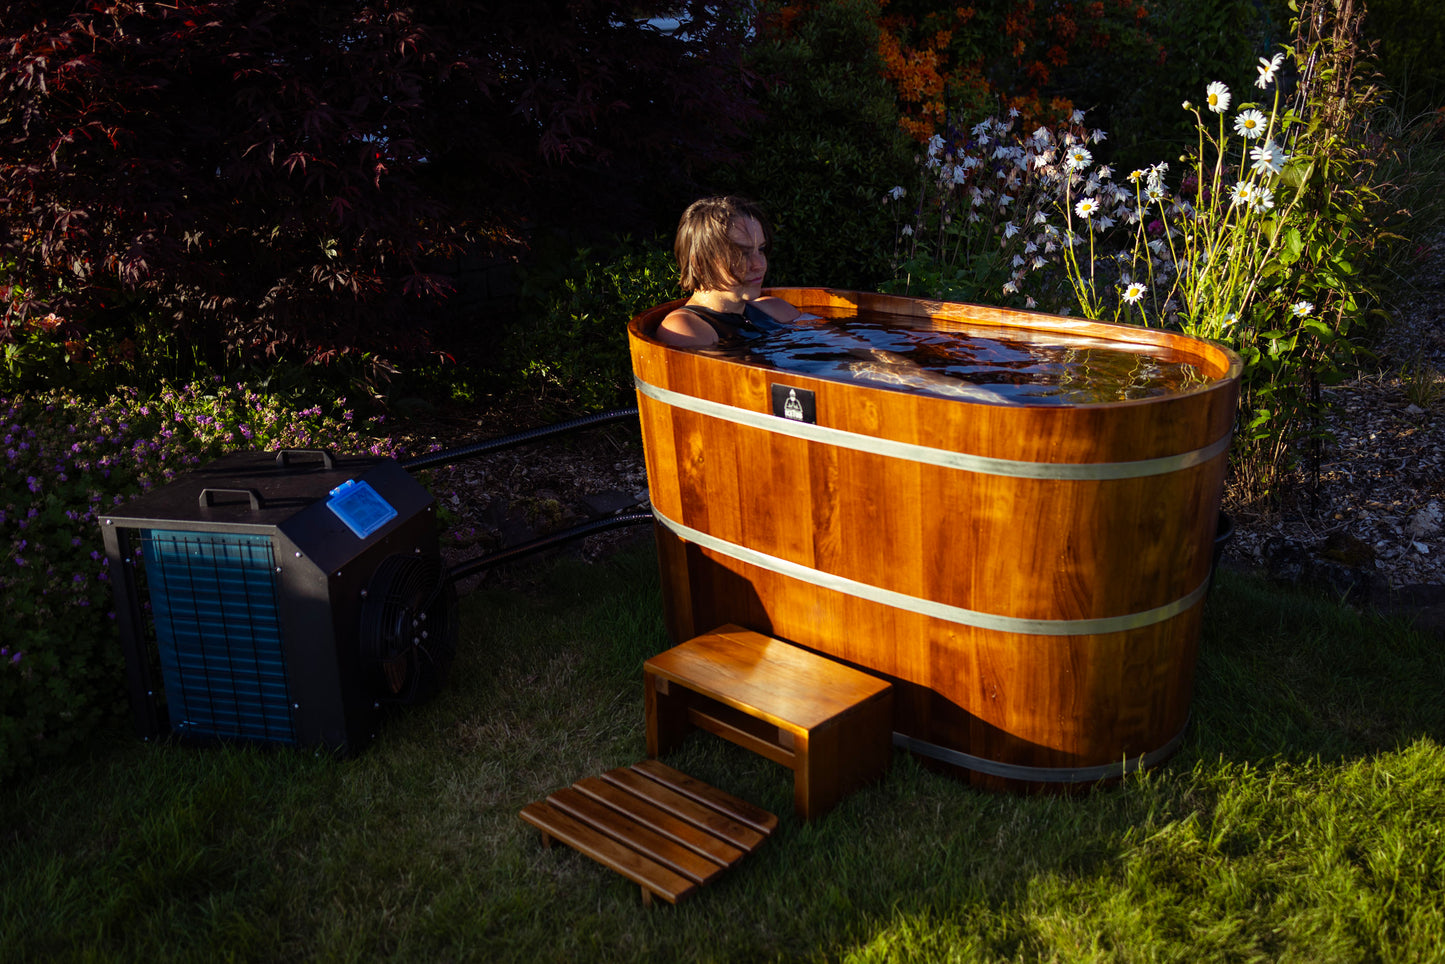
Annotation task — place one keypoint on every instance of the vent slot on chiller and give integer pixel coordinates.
(215, 613)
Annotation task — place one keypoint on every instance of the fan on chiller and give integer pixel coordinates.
(408, 628)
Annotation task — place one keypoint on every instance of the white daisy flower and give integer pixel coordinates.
(1077, 159)
(1087, 207)
(1136, 175)
(1263, 200)
(1230, 319)
(1267, 68)
(1217, 96)
(1154, 194)
(1302, 309)
(1249, 124)
(1155, 178)
(1133, 292)
(1243, 193)
(1268, 158)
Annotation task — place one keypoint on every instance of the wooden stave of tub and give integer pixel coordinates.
(1051, 681)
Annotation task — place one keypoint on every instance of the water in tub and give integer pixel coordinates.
(974, 363)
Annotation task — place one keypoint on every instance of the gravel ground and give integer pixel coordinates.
(1371, 526)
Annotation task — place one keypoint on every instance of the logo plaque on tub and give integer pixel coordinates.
(794, 403)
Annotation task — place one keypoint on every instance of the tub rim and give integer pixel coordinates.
(1223, 363)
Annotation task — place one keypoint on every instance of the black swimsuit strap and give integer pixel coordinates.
(731, 323)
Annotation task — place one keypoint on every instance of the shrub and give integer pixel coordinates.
(275, 177)
(954, 63)
(828, 145)
(573, 349)
(1411, 35)
(1265, 243)
(66, 462)
(979, 221)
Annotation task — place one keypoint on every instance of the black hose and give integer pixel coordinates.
(475, 565)
(447, 456)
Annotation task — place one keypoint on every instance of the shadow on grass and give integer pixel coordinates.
(1294, 676)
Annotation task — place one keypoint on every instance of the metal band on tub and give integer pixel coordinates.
(930, 607)
(933, 456)
(1015, 771)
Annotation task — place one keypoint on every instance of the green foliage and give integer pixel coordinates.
(1199, 42)
(827, 148)
(573, 347)
(1265, 244)
(1411, 37)
(1423, 385)
(124, 343)
(66, 461)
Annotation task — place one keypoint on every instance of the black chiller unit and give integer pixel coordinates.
(290, 597)
(281, 598)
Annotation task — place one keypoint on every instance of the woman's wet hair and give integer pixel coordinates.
(706, 257)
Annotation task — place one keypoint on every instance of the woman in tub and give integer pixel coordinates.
(722, 254)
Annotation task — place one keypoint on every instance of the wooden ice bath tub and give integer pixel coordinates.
(1031, 577)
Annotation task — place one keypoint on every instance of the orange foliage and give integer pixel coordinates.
(984, 55)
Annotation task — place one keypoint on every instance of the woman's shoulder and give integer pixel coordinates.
(686, 329)
(777, 308)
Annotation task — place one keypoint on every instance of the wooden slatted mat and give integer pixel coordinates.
(660, 828)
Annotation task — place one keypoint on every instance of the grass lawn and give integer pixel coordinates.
(1303, 819)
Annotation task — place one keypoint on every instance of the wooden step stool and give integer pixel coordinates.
(660, 828)
(832, 725)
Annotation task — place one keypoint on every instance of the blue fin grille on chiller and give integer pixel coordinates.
(218, 628)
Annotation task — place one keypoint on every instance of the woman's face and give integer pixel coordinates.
(747, 235)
